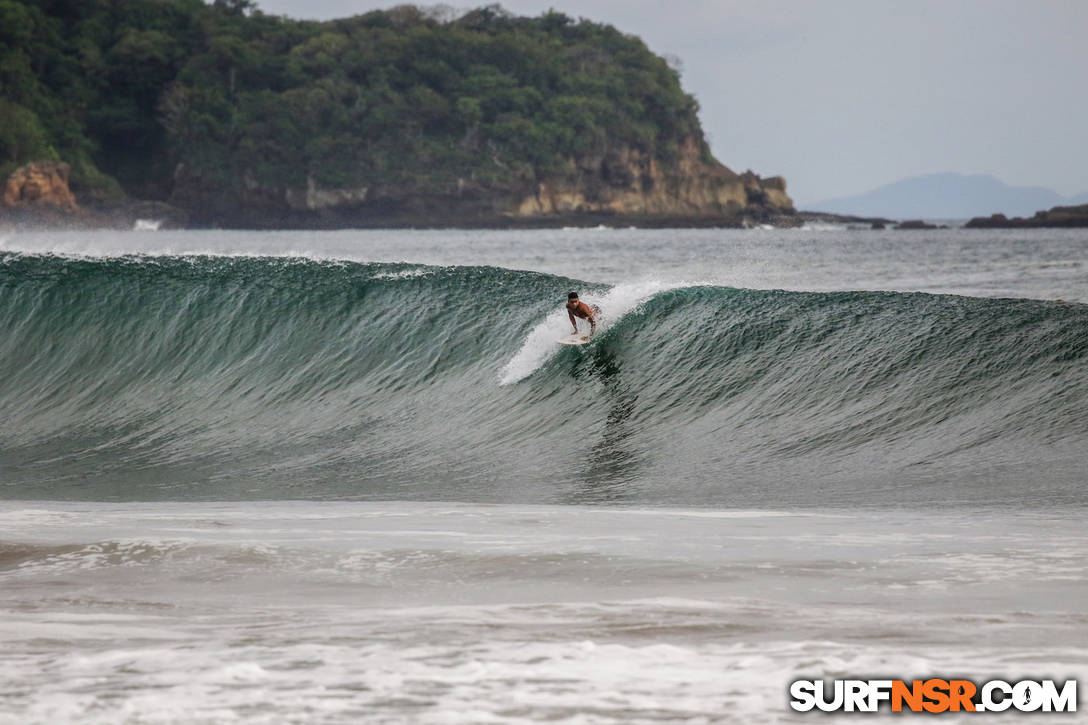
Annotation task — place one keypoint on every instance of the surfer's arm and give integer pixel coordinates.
(572, 322)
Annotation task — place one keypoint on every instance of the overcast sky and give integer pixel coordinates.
(842, 96)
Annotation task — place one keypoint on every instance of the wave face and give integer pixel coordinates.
(202, 377)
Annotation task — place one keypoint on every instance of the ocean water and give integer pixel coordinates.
(349, 477)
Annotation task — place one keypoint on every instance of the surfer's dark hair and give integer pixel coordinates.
(572, 296)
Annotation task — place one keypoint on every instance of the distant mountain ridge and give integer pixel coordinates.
(947, 196)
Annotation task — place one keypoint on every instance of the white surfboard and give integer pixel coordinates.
(575, 339)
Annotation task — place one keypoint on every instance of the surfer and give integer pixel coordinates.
(577, 308)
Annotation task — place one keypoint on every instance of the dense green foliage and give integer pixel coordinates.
(133, 87)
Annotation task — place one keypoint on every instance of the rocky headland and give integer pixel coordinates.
(216, 115)
(637, 194)
(1059, 216)
(621, 186)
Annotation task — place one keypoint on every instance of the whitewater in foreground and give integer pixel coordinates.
(392, 612)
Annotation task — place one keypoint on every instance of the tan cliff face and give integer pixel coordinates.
(40, 184)
(630, 183)
(37, 195)
(624, 182)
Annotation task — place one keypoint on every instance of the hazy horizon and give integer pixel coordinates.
(947, 196)
(843, 98)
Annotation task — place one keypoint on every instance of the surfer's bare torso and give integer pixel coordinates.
(577, 308)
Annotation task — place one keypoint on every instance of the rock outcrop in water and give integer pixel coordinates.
(917, 224)
(1059, 216)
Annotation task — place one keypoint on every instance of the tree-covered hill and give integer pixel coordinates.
(220, 107)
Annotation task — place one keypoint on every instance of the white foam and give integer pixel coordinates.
(147, 225)
(469, 665)
(539, 345)
(404, 273)
(442, 612)
(99, 246)
(40, 517)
